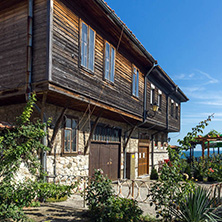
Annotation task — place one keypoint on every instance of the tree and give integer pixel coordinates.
(185, 143)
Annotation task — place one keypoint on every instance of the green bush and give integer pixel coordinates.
(154, 174)
(105, 206)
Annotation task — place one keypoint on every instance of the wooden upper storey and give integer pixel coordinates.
(80, 51)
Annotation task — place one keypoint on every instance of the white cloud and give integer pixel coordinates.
(213, 102)
(209, 77)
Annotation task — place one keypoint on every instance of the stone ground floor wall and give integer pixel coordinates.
(78, 163)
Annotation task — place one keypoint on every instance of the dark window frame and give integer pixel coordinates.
(66, 128)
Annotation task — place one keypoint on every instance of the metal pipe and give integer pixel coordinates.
(29, 48)
(30, 74)
(124, 167)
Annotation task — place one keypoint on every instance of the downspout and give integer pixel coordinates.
(144, 118)
(30, 74)
(29, 48)
(144, 93)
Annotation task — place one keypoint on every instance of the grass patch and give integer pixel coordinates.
(61, 199)
(149, 218)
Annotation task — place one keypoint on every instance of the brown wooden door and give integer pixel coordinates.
(143, 157)
(106, 157)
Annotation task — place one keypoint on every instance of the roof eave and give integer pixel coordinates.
(132, 37)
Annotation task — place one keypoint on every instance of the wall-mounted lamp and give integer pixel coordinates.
(152, 113)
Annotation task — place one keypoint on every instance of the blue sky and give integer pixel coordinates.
(185, 37)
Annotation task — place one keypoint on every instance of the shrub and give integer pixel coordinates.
(122, 210)
(104, 206)
(154, 174)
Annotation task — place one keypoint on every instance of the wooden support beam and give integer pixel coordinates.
(208, 148)
(203, 149)
(131, 132)
(91, 133)
(57, 126)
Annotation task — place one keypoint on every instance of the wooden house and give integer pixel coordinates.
(95, 80)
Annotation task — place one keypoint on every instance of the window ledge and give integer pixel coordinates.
(108, 82)
(87, 70)
(135, 97)
(70, 154)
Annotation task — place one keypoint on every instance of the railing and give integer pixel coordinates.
(131, 189)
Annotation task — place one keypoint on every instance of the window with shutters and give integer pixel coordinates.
(70, 135)
(135, 86)
(87, 47)
(109, 62)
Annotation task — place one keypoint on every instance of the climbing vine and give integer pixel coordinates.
(21, 144)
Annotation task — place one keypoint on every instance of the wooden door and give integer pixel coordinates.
(143, 157)
(106, 157)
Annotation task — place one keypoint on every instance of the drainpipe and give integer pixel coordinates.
(29, 47)
(144, 93)
(30, 73)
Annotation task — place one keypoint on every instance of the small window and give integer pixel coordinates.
(106, 134)
(152, 94)
(109, 62)
(172, 108)
(87, 47)
(70, 135)
(135, 87)
(159, 102)
(177, 111)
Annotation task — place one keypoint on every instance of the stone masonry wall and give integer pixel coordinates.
(78, 164)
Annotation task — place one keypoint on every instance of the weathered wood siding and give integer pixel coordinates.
(160, 116)
(13, 42)
(40, 41)
(67, 72)
(174, 123)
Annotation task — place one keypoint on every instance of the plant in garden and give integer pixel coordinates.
(99, 192)
(154, 174)
(20, 144)
(197, 206)
(105, 206)
(170, 188)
